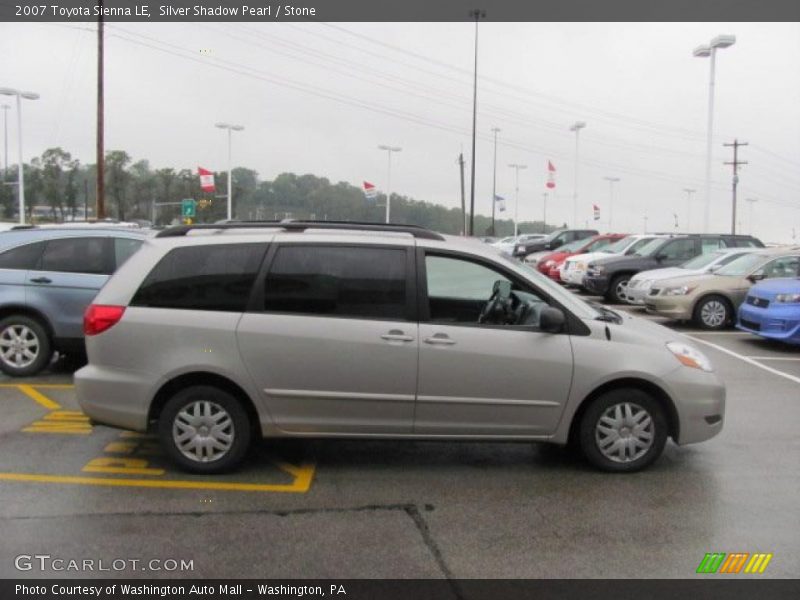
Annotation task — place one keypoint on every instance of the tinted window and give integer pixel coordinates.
(215, 277)
(711, 244)
(22, 257)
(358, 282)
(786, 266)
(124, 249)
(679, 249)
(77, 255)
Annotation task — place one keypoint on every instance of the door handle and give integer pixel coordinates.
(395, 335)
(41, 280)
(440, 339)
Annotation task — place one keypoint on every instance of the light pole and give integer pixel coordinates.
(710, 51)
(611, 181)
(20, 179)
(544, 215)
(230, 128)
(576, 127)
(5, 108)
(517, 169)
(495, 130)
(389, 150)
(751, 202)
(689, 192)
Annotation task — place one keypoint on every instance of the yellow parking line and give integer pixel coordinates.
(37, 396)
(300, 485)
(53, 386)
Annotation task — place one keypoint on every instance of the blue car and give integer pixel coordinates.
(772, 310)
(48, 276)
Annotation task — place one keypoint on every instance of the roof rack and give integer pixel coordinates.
(291, 225)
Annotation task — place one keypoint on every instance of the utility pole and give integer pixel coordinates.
(495, 130)
(517, 169)
(735, 163)
(101, 170)
(476, 14)
(751, 202)
(463, 198)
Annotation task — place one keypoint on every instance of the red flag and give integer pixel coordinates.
(551, 176)
(370, 191)
(206, 179)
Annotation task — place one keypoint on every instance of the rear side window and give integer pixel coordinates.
(683, 249)
(358, 282)
(124, 249)
(214, 277)
(22, 257)
(78, 255)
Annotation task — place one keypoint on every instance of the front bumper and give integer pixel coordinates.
(596, 284)
(574, 276)
(781, 323)
(699, 400)
(636, 295)
(673, 307)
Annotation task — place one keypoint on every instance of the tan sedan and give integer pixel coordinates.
(710, 301)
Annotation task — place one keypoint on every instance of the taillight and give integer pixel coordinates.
(99, 317)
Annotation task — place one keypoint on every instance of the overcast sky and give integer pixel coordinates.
(319, 98)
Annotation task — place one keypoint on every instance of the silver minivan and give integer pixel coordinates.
(213, 334)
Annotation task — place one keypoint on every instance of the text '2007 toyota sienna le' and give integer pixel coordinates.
(211, 335)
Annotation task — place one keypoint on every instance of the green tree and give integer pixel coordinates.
(117, 179)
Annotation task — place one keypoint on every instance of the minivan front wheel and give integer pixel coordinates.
(25, 347)
(623, 430)
(204, 429)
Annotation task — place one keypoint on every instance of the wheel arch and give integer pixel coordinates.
(718, 294)
(673, 422)
(169, 388)
(8, 310)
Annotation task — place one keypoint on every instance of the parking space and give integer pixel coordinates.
(305, 508)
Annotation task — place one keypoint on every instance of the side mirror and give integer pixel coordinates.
(757, 276)
(660, 257)
(714, 268)
(552, 320)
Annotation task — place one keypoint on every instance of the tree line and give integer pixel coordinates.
(137, 191)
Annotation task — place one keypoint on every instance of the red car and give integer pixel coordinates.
(550, 263)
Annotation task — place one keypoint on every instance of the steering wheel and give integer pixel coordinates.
(497, 301)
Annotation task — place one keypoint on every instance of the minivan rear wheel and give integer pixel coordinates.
(204, 429)
(25, 347)
(623, 430)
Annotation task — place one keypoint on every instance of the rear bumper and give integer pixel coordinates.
(781, 323)
(113, 396)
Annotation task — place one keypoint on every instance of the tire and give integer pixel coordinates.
(604, 450)
(209, 405)
(712, 313)
(28, 335)
(616, 286)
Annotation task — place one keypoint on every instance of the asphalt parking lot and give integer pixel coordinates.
(396, 510)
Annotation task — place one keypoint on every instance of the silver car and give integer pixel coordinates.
(210, 335)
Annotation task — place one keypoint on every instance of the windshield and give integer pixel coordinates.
(650, 247)
(597, 244)
(571, 247)
(698, 262)
(619, 245)
(743, 265)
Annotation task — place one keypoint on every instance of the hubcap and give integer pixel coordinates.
(624, 432)
(19, 346)
(622, 288)
(713, 313)
(203, 431)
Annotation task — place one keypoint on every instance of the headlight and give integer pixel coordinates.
(647, 284)
(690, 357)
(678, 291)
(549, 263)
(788, 298)
(597, 268)
(520, 248)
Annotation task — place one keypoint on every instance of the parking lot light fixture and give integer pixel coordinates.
(611, 181)
(230, 128)
(576, 127)
(517, 169)
(20, 179)
(710, 51)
